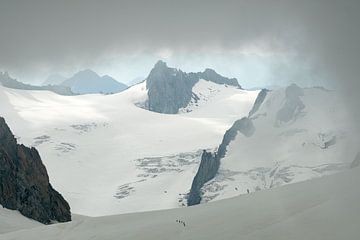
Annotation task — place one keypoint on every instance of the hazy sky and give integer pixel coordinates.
(259, 42)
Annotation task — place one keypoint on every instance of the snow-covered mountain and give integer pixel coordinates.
(290, 135)
(88, 81)
(106, 155)
(121, 154)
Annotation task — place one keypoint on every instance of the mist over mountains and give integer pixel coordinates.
(238, 120)
(205, 139)
(83, 82)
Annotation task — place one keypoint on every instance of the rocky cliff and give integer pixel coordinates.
(259, 101)
(24, 183)
(210, 162)
(211, 75)
(170, 89)
(293, 104)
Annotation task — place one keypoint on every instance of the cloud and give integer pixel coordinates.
(51, 35)
(68, 31)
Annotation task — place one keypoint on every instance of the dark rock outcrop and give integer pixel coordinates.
(208, 168)
(292, 106)
(24, 183)
(212, 76)
(258, 102)
(7, 81)
(170, 89)
(210, 162)
(356, 162)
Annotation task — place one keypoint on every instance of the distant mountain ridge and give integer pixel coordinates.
(88, 81)
(170, 89)
(9, 82)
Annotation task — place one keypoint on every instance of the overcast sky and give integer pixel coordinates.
(259, 42)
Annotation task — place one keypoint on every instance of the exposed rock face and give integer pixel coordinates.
(211, 75)
(293, 104)
(210, 163)
(208, 168)
(258, 102)
(356, 161)
(24, 183)
(170, 89)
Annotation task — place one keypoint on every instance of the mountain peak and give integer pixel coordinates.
(107, 77)
(88, 81)
(88, 73)
(160, 64)
(210, 71)
(211, 75)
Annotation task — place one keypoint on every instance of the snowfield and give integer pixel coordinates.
(11, 221)
(107, 156)
(324, 208)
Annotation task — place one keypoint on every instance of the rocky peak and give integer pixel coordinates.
(87, 73)
(170, 89)
(211, 75)
(24, 183)
(160, 64)
(259, 101)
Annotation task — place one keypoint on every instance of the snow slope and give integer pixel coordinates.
(11, 221)
(299, 134)
(108, 156)
(211, 97)
(325, 208)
